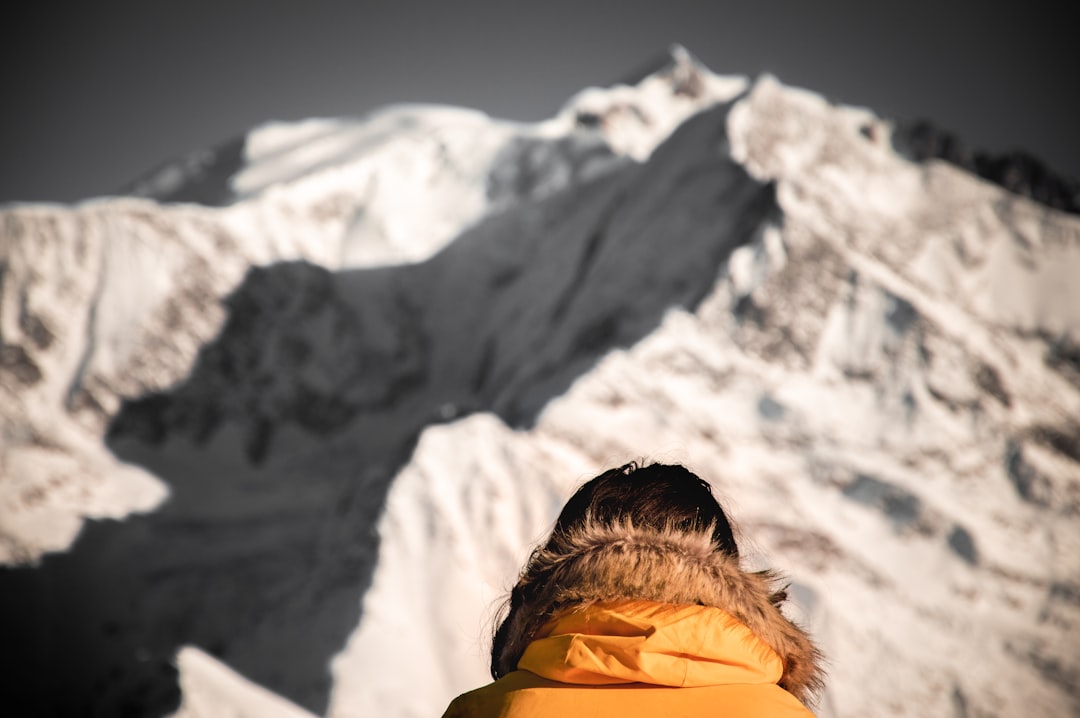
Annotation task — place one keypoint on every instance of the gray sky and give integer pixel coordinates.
(96, 93)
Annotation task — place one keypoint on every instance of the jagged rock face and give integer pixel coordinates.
(1016, 171)
(874, 361)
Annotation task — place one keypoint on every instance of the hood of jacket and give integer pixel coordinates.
(610, 604)
(664, 644)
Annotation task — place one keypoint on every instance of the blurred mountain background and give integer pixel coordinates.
(302, 400)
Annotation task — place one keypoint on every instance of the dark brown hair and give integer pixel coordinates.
(660, 497)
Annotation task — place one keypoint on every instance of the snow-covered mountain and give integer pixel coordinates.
(305, 403)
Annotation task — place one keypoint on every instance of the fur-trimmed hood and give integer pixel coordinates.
(610, 563)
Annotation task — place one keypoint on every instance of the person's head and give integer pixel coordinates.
(664, 497)
(632, 509)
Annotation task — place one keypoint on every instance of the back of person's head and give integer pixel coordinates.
(628, 509)
(664, 497)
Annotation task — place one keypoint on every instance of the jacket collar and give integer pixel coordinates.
(648, 642)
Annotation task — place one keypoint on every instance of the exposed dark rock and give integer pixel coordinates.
(1051, 668)
(770, 409)
(988, 379)
(1065, 592)
(901, 506)
(959, 700)
(962, 544)
(900, 315)
(747, 310)
(17, 363)
(1016, 171)
(1063, 355)
(1064, 439)
(35, 328)
(1029, 482)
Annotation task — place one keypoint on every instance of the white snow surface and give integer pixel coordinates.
(871, 385)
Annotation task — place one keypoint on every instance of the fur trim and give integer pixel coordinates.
(600, 563)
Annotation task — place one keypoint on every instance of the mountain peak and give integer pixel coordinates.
(675, 59)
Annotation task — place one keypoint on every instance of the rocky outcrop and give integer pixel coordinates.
(1016, 171)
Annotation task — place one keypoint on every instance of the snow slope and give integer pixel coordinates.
(337, 409)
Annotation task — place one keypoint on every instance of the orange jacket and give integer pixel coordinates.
(635, 658)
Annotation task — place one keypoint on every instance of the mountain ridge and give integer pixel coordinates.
(345, 461)
(205, 176)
